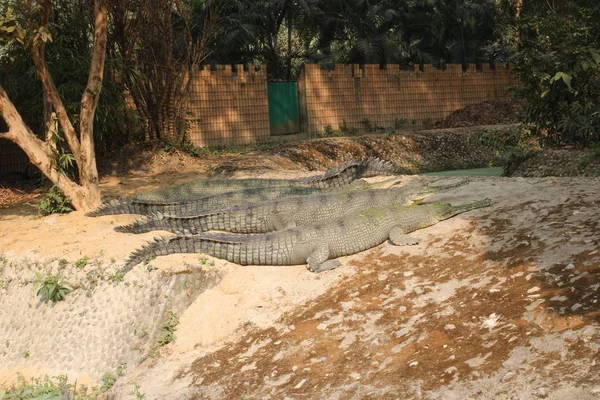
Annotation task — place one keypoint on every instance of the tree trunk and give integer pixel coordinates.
(85, 194)
(289, 43)
(40, 154)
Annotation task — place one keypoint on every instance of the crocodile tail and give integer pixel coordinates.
(113, 207)
(160, 246)
(151, 223)
(376, 166)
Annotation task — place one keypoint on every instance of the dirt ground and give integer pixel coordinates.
(497, 303)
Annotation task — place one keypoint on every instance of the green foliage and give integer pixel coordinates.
(117, 276)
(69, 39)
(109, 379)
(556, 56)
(328, 131)
(82, 262)
(168, 329)
(51, 288)
(136, 392)
(62, 263)
(55, 388)
(54, 202)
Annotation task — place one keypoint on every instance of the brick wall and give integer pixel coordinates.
(231, 106)
(356, 95)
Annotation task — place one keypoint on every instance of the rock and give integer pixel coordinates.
(449, 327)
(508, 376)
(401, 332)
(299, 385)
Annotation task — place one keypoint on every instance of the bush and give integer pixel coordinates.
(55, 202)
(556, 58)
(47, 388)
(51, 288)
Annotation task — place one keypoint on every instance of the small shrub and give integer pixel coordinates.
(55, 202)
(62, 263)
(136, 392)
(47, 388)
(346, 130)
(82, 262)
(328, 131)
(399, 123)
(117, 276)
(108, 381)
(168, 329)
(51, 288)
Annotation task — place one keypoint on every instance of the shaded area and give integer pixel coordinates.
(493, 112)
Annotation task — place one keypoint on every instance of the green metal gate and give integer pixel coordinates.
(284, 117)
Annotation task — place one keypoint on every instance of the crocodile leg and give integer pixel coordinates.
(399, 238)
(318, 261)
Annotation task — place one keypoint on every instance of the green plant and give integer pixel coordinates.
(108, 381)
(399, 123)
(82, 262)
(117, 276)
(556, 58)
(346, 130)
(54, 202)
(47, 388)
(62, 263)
(51, 288)
(168, 329)
(136, 392)
(203, 262)
(328, 131)
(148, 259)
(26, 354)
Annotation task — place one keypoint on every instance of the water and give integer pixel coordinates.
(495, 171)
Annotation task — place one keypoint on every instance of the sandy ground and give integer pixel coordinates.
(501, 302)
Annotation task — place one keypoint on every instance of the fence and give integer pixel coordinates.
(13, 159)
(355, 96)
(229, 105)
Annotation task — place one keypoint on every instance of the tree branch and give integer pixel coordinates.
(91, 95)
(37, 150)
(50, 91)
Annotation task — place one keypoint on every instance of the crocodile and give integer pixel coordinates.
(283, 213)
(339, 176)
(316, 245)
(202, 204)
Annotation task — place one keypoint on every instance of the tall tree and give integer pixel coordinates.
(83, 191)
(160, 43)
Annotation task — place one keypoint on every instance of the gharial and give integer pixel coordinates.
(211, 194)
(339, 176)
(317, 245)
(283, 213)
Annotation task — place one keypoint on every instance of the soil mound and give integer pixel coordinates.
(493, 112)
